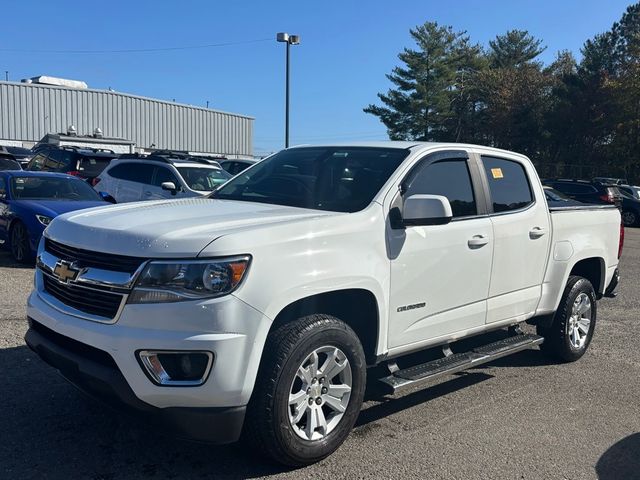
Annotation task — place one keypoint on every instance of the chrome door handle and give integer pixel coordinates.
(537, 232)
(477, 241)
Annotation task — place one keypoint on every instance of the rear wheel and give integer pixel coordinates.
(19, 239)
(571, 331)
(308, 392)
(629, 218)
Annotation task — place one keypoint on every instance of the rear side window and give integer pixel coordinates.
(508, 184)
(449, 178)
(133, 172)
(92, 166)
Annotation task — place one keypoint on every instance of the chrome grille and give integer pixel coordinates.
(87, 300)
(88, 259)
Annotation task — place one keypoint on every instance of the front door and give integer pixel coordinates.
(440, 273)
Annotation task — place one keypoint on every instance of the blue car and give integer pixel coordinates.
(30, 200)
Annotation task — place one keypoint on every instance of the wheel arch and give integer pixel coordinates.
(357, 307)
(593, 269)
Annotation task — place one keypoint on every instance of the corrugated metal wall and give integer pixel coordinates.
(29, 111)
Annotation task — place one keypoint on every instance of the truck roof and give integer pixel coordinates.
(406, 145)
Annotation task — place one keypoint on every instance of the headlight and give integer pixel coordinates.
(176, 281)
(43, 219)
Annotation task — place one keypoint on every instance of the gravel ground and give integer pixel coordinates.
(521, 417)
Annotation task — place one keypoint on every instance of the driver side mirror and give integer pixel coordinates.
(426, 210)
(107, 198)
(170, 186)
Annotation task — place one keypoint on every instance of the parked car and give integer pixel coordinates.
(585, 191)
(630, 209)
(260, 307)
(559, 199)
(237, 165)
(30, 200)
(630, 190)
(611, 180)
(83, 163)
(9, 164)
(134, 178)
(19, 154)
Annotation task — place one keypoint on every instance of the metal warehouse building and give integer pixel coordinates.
(29, 111)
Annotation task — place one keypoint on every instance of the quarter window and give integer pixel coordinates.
(449, 178)
(508, 184)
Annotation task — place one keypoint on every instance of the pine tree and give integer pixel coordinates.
(431, 96)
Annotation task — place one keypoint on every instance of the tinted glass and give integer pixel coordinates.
(574, 188)
(3, 188)
(449, 178)
(163, 174)
(52, 188)
(67, 161)
(92, 166)
(341, 179)
(508, 184)
(203, 179)
(37, 162)
(9, 164)
(133, 172)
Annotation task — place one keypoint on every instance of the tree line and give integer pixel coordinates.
(572, 118)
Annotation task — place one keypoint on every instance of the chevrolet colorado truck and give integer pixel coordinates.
(260, 310)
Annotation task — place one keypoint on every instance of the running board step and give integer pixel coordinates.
(460, 361)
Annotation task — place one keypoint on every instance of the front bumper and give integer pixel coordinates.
(95, 372)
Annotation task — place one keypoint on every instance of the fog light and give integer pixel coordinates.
(176, 368)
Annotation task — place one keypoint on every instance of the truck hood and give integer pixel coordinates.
(166, 228)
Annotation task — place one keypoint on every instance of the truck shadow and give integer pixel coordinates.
(51, 430)
(389, 405)
(621, 460)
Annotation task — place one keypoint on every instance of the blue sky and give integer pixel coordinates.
(347, 48)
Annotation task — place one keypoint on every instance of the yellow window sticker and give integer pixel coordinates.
(497, 173)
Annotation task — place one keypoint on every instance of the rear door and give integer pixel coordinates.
(129, 181)
(521, 231)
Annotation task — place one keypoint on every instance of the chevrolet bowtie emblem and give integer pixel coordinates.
(65, 271)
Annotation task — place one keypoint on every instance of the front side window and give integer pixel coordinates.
(51, 188)
(508, 184)
(449, 178)
(133, 172)
(203, 179)
(339, 179)
(163, 174)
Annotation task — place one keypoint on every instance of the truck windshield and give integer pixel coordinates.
(340, 179)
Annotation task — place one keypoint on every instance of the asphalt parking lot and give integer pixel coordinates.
(522, 417)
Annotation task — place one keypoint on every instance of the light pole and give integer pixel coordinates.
(289, 40)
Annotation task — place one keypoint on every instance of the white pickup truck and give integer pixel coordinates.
(258, 310)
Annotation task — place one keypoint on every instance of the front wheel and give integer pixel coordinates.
(19, 239)
(570, 333)
(308, 392)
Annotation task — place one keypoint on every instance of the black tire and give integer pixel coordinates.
(267, 427)
(19, 243)
(558, 340)
(629, 218)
